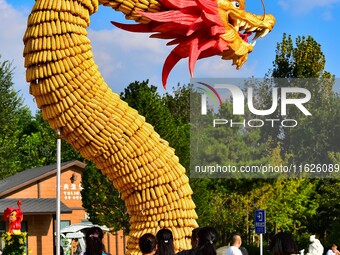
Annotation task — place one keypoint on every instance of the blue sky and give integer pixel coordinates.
(125, 57)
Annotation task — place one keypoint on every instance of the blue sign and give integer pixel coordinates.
(260, 221)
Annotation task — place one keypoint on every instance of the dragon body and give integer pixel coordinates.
(75, 99)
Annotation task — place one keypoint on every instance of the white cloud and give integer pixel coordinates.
(216, 67)
(12, 29)
(328, 15)
(124, 57)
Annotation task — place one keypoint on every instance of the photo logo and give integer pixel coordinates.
(239, 99)
(264, 128)
(213, 94)
(280, 97)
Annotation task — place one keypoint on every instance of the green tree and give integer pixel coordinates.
(13, 117)
(289, 206)
(311, 139)
(178, 102)
(25, 141)
(38, 144)
(327, 222)
(315, 139)
(102, 201)
(305, 60)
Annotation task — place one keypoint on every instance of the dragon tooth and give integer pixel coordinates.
(243, 23)
(253, 43)
(252, 29)
(257, 35)
(237, 25)
(264, 33)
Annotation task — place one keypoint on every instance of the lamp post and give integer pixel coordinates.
(58, 190)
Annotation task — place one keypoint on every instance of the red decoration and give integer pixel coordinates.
(195, 27)
(203, 28)
(14, 217)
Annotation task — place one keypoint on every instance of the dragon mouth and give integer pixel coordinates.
(242, 29)
(244, 35)
(247, 29)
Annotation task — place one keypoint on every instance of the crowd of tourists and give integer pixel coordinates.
(203, 241)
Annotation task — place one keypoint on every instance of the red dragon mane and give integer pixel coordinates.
(193, 25)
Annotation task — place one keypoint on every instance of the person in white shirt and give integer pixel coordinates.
(234, 248)
(315, 246)
(333, 250)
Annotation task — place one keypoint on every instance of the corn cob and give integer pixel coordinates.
(75, 99)
(129, 8)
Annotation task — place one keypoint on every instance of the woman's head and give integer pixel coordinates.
(194, 237)
(207, 237)
(165, 242)
(148, 243)
(93, 239)
(283, 244)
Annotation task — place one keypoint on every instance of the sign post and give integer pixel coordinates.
(260, 226)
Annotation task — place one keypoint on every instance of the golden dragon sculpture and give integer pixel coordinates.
(74, 98)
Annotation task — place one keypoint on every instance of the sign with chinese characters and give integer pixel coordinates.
(72, 191)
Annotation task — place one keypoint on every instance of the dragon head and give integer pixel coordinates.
(204, 28)
(239, 27)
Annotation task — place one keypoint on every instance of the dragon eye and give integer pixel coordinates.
(236, 4)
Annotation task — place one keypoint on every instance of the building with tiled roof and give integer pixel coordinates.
(36, 188)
